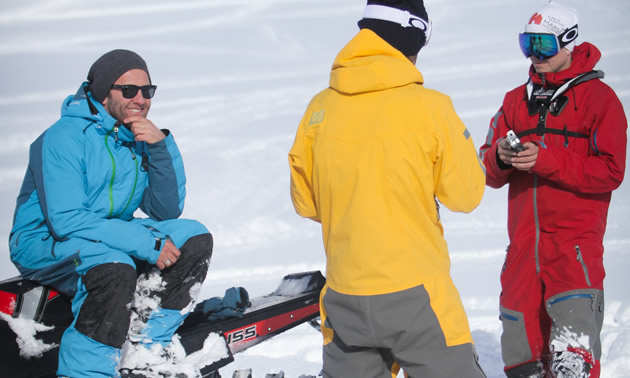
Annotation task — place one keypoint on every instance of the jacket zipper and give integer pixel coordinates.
(111, 182)
(584, 267)
(573, 296)
(542, 121)
(17, 236)
(508, 316)
(536, 224)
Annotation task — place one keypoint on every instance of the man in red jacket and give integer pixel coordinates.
(573, 133)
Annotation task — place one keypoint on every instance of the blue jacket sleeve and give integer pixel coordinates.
(164, 197)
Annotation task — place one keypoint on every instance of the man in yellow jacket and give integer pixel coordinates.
(374, 154)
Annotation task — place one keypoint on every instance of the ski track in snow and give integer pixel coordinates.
(234, 78)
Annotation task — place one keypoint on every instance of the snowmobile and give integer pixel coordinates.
(294, 302)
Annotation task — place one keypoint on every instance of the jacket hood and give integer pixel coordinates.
(78, 106)
(368, 63)
(585, 57)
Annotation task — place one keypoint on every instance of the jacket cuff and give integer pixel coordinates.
(546, 164)
(153, 246)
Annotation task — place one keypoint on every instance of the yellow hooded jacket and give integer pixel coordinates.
(371, 155)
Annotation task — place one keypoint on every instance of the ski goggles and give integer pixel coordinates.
(130, 91)
(401, 17)
(545, 45)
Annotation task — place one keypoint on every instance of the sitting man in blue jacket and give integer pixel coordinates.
(74, 226)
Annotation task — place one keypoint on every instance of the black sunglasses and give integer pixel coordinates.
(130, 91)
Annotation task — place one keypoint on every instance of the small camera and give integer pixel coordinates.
(514, 142)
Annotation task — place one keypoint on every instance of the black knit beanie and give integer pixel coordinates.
(109, 67)
(408, 40)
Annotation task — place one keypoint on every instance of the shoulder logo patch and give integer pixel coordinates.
(317, 117)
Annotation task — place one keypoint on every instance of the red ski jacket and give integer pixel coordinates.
(562, 203)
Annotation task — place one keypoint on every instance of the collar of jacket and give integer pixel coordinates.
(585, 57)
(77, 106)
(368, 63)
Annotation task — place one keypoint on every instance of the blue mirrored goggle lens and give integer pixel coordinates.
(541, 46)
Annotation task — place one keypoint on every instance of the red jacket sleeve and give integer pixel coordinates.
(602, 170)
(497, 173)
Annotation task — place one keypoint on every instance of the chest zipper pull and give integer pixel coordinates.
(116, 126)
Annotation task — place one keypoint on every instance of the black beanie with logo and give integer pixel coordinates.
(409, 40)
(109, 67)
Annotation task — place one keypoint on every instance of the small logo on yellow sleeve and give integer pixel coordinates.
(317, 117)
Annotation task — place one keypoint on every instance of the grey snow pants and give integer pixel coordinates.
(374, 336)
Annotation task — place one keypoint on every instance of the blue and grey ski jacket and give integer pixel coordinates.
(85, 179)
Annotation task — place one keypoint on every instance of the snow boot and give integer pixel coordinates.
(571, 363)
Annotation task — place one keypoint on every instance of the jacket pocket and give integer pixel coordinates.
(14, 240)
(580, 259)
(515, 347)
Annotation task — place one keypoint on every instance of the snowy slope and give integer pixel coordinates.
(234, 77)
